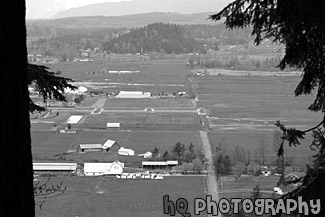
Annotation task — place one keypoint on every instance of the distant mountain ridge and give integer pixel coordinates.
(127, 21)
(143, 6)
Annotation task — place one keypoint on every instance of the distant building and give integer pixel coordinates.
(54, 167)
(109, 145)
(133, 95)
(99, 169)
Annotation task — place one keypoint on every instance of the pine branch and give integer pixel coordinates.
(48, 84)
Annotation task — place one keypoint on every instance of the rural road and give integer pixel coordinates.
(211, 182)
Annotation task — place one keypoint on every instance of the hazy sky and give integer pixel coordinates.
(47, 8)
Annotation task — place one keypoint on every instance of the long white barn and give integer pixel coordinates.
(50, 167)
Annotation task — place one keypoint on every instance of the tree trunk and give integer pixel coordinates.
(17, 195)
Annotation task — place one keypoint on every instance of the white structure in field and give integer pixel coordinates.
(113, 125)
(133, 95)
(51, 167)
(74, 119)
(126, 151)
(99, 169)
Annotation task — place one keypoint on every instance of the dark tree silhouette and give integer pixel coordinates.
(16, 74)
(15, 155)
(300, 26)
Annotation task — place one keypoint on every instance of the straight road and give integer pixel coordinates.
(211, 182)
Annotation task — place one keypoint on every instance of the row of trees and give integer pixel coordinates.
(189, 158)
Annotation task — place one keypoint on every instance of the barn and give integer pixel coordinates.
(111, 145)
(54, 167)
(90, 147)
(100, 169)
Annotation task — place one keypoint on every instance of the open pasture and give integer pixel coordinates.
(154, 76)
(145, 121)
(246, 85)
(167, 104)
(110, 197)
(253, 103)
(243, 188)
(48, 145)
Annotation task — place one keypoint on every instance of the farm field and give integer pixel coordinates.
(169, 104)
(243, 109)
(145, 121)
(230, 188)
(110, 197)
(48, 145)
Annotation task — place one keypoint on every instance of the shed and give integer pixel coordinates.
(111, 145)
(126, 151)
(113, 125)
(90, 147)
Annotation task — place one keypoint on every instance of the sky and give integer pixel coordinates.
(36, 9)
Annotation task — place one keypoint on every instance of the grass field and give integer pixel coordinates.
(228, 186)
(154, 76)
(170, 104)
(110, 197)
(145, 121)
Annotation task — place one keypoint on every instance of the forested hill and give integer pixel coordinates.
(158, 37)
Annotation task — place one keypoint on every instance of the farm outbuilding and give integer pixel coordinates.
(126, 152)
(99, 169)
(158, 164)
(51, 167)
(111, 145)
(90, 147)
(113, 125)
